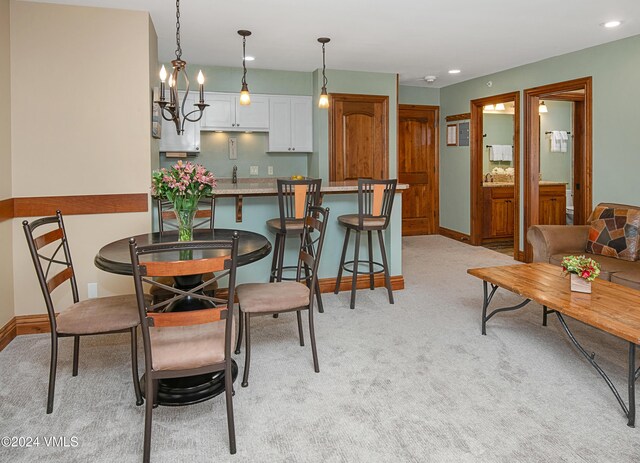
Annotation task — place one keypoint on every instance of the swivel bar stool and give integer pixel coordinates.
(294, 199)
(375, 200)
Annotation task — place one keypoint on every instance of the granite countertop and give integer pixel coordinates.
(267, 186)
(499, 184)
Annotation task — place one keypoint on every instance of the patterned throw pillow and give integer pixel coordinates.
(615, 233)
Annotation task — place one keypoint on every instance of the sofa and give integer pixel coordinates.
(552, 242)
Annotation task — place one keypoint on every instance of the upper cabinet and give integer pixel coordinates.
(189, 141)
(226, 113)
(290, 124)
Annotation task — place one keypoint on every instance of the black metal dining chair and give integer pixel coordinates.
(205, 218)
(375, 201)
(103, 315)
(276, 297)
(185, 343)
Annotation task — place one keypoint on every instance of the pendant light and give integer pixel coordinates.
(323, 101)
(174, 110)
(245, 98)
(542, 108)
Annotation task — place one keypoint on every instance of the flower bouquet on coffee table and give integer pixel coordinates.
(583, 271)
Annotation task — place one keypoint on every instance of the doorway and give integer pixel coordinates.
(418, 167)
(495, 172)
(358, 137)
(539, 207)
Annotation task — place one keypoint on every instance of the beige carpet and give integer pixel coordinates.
(410, 382)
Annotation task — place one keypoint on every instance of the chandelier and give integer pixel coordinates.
(175, 110)
(323, 102)
(245, 98)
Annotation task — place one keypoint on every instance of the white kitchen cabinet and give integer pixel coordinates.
(290, 124)
(189, 141)
(226, 113)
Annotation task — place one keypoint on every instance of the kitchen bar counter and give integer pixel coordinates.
(267, 187)
(499, 184)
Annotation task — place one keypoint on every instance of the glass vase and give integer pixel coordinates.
(185, 216)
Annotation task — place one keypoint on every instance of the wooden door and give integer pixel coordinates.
(358, 137)
(418, 167)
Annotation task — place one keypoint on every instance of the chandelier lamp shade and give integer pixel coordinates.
(245, 98)
(323, 101)
(174, 109)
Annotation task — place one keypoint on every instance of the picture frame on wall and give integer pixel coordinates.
(452, 134)
(156, 115)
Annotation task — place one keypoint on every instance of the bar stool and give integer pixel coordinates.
(375, 200)
(294, 199)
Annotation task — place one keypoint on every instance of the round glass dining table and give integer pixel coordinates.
(115, 258)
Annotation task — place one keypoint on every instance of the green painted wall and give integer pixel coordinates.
(251, 147)
(556, 166)
(615, 68)
(418, 95)
(227, 79)
(366, 83)
(499, 131)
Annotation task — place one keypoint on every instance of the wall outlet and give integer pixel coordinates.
(233, 148)
(92, 290)
(270, 170)
(253, 170)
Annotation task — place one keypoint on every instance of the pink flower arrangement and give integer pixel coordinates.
(183, 184)
(584, 267)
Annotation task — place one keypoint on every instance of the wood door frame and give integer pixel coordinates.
(333, 98)
(532, 97)
(436, 175)
(477, 154)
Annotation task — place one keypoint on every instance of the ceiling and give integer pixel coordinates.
(413, 38)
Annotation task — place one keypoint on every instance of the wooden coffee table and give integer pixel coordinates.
(612, 308)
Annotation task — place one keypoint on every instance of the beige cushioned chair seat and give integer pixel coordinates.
(99, 315)
(608, 265)
(630, 279)
(292, 225)
(272, 297)
(352, 220)
(186, 347)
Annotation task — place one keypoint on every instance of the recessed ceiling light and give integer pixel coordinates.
(612, 24)
(249, 58)
(454, 71)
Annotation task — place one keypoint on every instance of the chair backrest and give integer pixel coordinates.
(295, 197)
(167, 217)
(375, 199)
(181, 259)
(55, 239)
(313, 233)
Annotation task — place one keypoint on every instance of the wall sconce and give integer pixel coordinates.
(542, 108)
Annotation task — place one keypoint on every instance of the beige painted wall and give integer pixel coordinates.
(6, 236)
(80, 126)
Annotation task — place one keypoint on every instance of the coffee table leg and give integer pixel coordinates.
(633, 376)
(487, 300)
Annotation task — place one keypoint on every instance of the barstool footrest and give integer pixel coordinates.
(363, 262)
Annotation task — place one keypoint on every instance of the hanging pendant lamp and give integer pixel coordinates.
(245, 98)
(323, 101)
(175, 110)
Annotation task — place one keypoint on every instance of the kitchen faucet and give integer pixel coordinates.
(235, 175)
